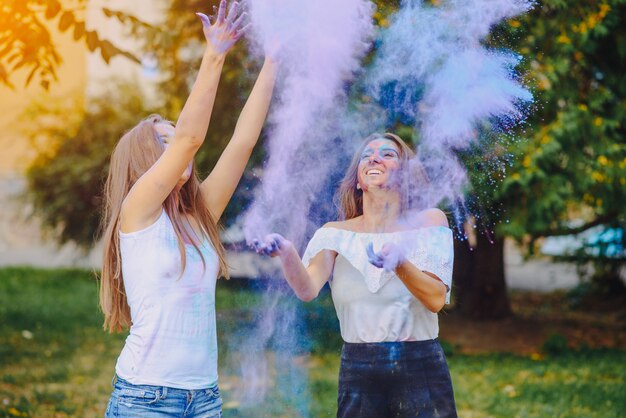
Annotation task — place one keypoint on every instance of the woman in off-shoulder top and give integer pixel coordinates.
(390, 271)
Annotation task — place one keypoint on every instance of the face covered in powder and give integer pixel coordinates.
(379, 164)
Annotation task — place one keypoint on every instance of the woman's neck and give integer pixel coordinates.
(381, 210)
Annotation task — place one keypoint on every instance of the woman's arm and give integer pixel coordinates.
(143, 203)
(220, 185)
(425, 286)
(306, 282)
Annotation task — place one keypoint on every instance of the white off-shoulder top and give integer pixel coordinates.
(374, 305)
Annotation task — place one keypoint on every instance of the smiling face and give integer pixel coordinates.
(378, 164)
(165, 131)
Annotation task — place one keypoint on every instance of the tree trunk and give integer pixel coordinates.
(478, 279)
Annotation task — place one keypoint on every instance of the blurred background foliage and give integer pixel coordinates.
(571, 162)
(561, 172)
(74, 145)
(25, 41)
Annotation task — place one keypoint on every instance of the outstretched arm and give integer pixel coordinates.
(220, 185)
(143, 203)
(425, 286)
(306, 282)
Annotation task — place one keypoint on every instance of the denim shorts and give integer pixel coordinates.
(128, 400)
(395, 379)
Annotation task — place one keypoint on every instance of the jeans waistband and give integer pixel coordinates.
(391, 351)
(119, 382)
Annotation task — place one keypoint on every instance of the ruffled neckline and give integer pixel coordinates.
(404, 231)
(423, 253)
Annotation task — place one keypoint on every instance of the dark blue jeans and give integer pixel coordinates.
(394, 379)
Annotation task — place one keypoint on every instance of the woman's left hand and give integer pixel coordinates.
(228, 27)
(272, 245)
(389, 257)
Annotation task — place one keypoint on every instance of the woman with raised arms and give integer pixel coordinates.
(162, 252)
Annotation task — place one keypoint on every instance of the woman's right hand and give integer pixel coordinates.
(272, 245)
(227, 28)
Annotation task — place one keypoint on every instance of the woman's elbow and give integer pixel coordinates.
(438, 302)
(191, 141)
(437, 306)
(307, 296)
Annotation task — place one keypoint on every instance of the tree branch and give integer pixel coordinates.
(608, 217)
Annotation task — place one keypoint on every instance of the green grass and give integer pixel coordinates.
(55, 360)
(578, 384)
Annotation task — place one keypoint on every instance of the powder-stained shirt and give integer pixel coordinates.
(374, 305)
(172, 340)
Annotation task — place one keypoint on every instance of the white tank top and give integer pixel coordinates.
(373, 305)
(172, 340)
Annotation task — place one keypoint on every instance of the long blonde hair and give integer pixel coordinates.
(133, 155)
(350, 199)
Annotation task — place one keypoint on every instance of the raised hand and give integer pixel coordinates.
(389, 257)
(272, 245)
(227, 28)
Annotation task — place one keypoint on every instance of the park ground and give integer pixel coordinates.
(559, 355)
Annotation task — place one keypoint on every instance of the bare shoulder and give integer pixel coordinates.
(336, 225)
(132, 219)
(348, 224)
(433, 217)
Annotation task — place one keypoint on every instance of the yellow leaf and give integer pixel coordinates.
(52, 9)
(66, 20)
(604, 9)
(92, 40)
(563, 39)
(598, 177)
(592, 21)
